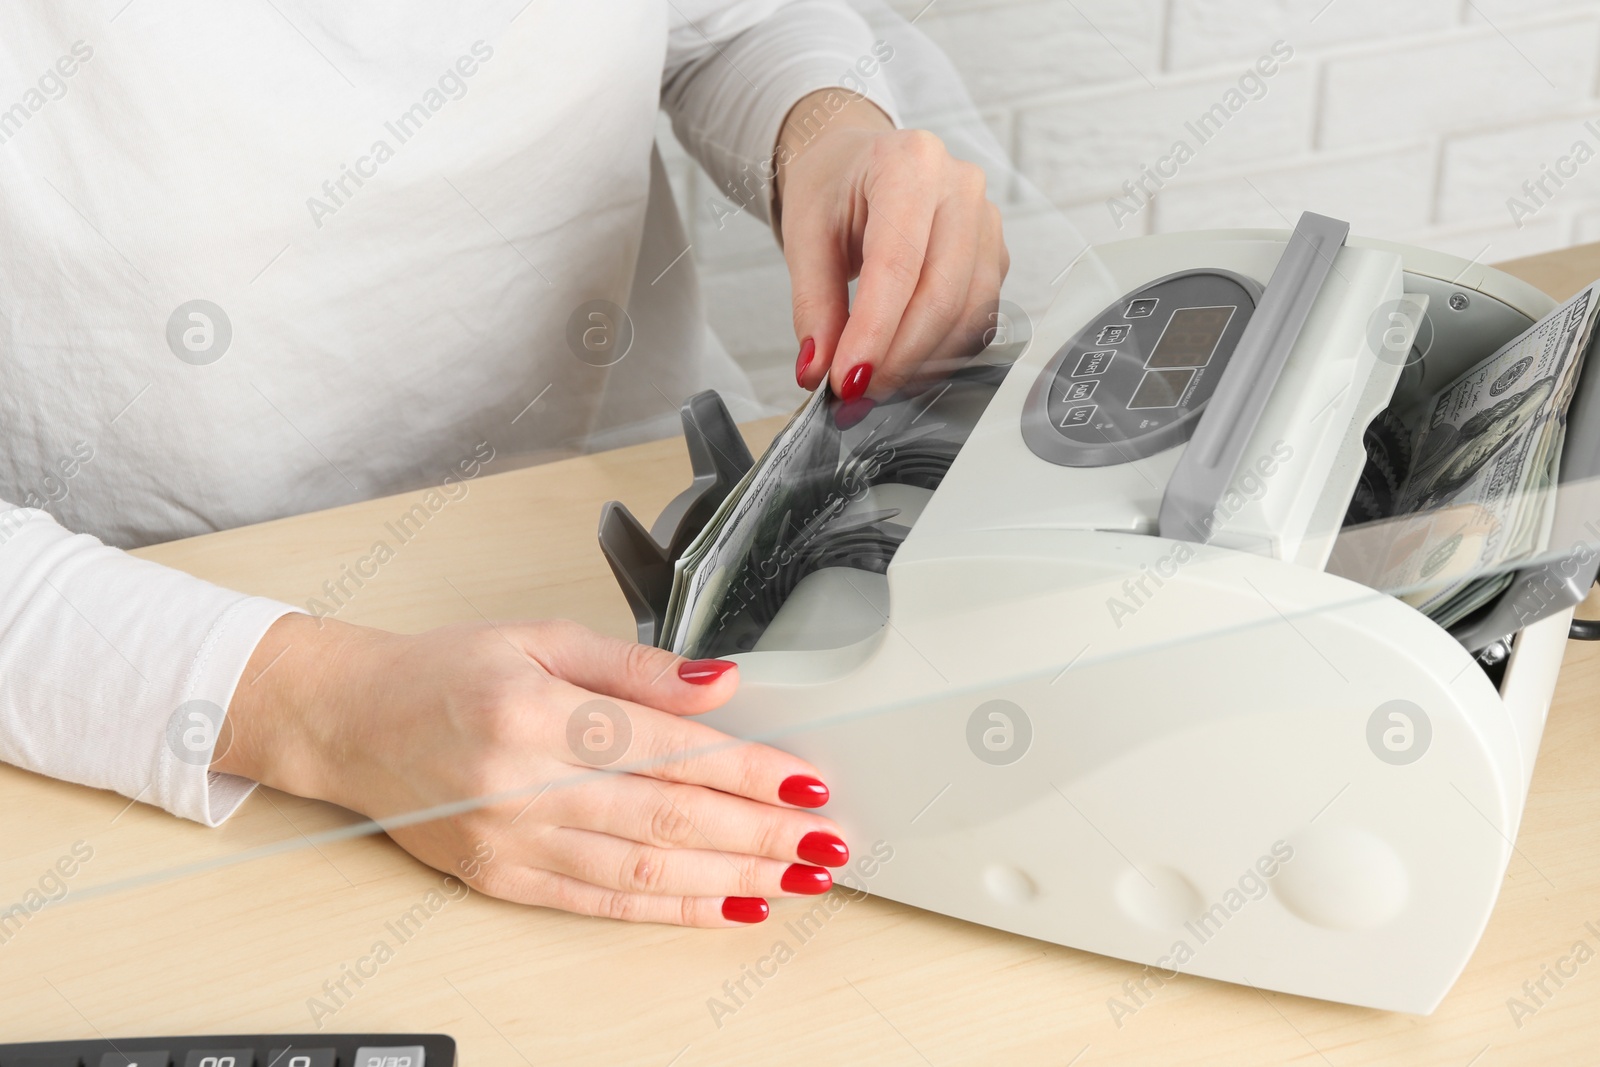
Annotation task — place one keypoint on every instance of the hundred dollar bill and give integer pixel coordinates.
(808, 504)
(688, 560)
(723, 549)
(1480, 493)
(805, 507)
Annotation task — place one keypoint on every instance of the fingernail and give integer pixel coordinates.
(704, 671)
(744, 909)
(851, 412)
(823, 849)
(808, 349)
(855, 383)
(810, 881)
(803, 791)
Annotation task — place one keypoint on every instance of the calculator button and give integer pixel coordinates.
(43, 1061)
(220, 1057)
(1141, 308)
(400, 1056)
(136, 1059)
(1093, 362)
(1080, 415)
(303, 1057)
(1080, 391)
(1114, 334)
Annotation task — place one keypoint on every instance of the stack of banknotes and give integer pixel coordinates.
(708, 581)
(806, 505)
(1447, 508)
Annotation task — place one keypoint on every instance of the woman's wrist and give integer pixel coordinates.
(283, 723)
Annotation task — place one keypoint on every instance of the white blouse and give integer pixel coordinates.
(261, 259)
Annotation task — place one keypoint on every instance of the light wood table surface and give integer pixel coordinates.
(173, 928)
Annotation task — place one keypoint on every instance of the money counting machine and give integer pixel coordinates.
(1060, 629)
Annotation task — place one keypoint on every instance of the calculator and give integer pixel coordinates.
(240, 1050)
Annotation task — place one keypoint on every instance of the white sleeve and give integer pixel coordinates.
(734, 70)
(105, 659)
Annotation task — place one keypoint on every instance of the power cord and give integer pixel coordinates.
(1585, 629)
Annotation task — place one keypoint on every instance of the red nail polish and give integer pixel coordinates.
(806, 880)
(744, 909)
(823, 849)
(704, 671)
(855, 383)
(808, 349)
(850, 412)
(803, 791)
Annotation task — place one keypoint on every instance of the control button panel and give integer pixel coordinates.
(1149, 362)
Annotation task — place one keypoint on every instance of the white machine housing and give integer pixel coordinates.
(1177, 753)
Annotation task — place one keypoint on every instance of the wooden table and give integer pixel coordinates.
(173, 928)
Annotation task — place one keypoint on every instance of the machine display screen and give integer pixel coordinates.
(1189, 340)
(1160, 389)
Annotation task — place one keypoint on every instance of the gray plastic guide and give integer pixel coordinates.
(1208, 465)
(642, 559)
(719, 458)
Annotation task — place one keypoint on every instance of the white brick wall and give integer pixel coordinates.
(1414, 119)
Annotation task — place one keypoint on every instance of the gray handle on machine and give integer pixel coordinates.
(1208, 465)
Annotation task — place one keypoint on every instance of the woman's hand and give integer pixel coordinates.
(573, 776)
(857, 196)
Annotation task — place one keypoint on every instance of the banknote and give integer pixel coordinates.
(806, 505)
(775, 486)
(688, 560)
(1480, 492)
